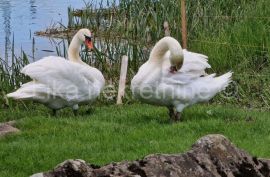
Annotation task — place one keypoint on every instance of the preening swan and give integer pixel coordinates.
(176, 78)
(59, 83)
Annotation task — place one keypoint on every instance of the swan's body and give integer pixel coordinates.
(59, 83)
(188, 84)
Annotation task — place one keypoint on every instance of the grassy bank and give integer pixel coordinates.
(115, 133)
(234, 35)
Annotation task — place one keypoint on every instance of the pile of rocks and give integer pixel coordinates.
(212, 155)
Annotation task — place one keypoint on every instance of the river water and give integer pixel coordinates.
(22, 18)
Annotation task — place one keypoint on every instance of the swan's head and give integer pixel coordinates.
(176, 62)
(85, 37)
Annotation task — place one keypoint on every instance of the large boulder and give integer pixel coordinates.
(212, 155)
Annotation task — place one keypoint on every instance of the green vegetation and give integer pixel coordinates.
(116, 133)
(235, 36)
(10, 76)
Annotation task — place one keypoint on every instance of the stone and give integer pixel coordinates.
(7, 128)
(210, 156)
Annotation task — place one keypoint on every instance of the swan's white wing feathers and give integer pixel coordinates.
(68, 80)
(191, 82)
(194, 62)
(31, 90)
(189, 85)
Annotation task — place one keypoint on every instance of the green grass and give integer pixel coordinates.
(116, 133)
(239, 42)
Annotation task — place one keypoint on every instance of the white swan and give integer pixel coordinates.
(176, 78)
(59, 83)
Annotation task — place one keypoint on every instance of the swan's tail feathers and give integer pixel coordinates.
(224, 80)
(29, 91)
(210, 85)
(20, 95)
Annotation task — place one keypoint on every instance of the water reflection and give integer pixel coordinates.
(5, 7)
(33, 9)
(23, 18)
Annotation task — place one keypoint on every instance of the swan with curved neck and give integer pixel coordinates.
(59, 83)
(82, 36)
(176, 78)
(176, 56)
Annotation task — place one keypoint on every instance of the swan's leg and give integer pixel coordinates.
(177, 117)
(75, 112)
(179, 108)
(171, 113)
(75, 109)
(90, 109)
(54, 112)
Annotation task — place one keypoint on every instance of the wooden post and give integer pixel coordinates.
(122, 80)
(166, 29)
(184, 23)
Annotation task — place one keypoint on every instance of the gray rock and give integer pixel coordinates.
(212, 155)
(7, 128)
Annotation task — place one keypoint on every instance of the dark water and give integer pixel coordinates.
(23, 17)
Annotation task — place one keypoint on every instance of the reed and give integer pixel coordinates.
(234, 35)
(10, 76)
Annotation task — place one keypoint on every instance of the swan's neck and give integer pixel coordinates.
(162, 47)
(74, 49)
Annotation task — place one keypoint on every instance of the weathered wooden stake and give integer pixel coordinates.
(122, 80)
(166, 29)
(184, 23)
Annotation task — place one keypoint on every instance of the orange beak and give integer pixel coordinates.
(89, 44)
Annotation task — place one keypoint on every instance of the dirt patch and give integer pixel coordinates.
(57, 33)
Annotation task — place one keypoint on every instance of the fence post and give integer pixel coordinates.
(184, 23)
(122, 80)
(166, 29)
